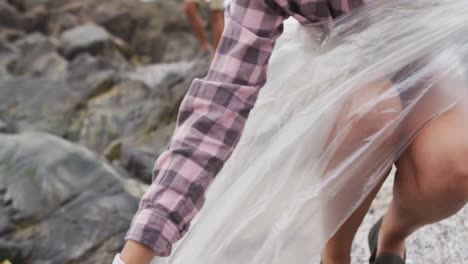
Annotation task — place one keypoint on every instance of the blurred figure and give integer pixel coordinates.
(193, 13)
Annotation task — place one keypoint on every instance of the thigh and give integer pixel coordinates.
(435, 163)
(434, 127)
(366, 114)
(437, 159)
(359, 151)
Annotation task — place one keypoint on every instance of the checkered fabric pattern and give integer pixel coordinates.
(213, 113)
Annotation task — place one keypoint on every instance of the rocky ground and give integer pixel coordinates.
(89, 91)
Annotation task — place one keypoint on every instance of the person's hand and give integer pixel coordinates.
(136, 253)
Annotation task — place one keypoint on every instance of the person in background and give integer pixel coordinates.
(192, 9)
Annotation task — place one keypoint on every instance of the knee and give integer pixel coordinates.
(336, 252)
(444, 175)
(190, 8)
(456, 183)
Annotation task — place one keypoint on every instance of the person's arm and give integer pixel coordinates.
(135, 253)
(210, 122)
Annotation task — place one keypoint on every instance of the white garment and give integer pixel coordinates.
(118, 260)
(296, 174)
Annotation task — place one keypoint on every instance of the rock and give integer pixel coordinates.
(157, 31)
(149, 45)
(113, 151)
(9, 16)
(60, 15)
(7, 127)
(37, 104)
(179, 41)
(61, 199)
(89, 76)
(169, 81)
(172, 80)
(13, 252)
(120, 24)
(181, 45)
(85, 37)
(126, 110)
(37, 41)
(5, 47)
(89, 38)
(139, 163)
(25, 5)
(140, 104)
(133, 186)
(139, 24)
(12, 35)
(139, 154)
(4, 73)
(7, 56)
(61, 22)
(35, 19)
(3, 127)
(39, 58)
(51, 65)
(18, 4)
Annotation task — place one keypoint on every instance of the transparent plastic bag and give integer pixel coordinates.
(331, 120)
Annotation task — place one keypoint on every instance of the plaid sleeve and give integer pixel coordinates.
(210, 122)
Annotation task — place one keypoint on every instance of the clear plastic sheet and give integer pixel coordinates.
(334, 116)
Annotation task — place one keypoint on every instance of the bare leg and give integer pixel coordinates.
(218, 25)
(338, 248)
(196, 22)
(432, 180)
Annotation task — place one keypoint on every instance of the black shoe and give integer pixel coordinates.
(386, 258)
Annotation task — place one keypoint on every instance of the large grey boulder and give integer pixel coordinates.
(38, 57)
(138, 163)
(9, 15)
(61, 203)
(138, 155)
(172, 81)
(38, 104)
(89, 76)
(35, 19)
(129, 109)
(137, 107)
(88, 38)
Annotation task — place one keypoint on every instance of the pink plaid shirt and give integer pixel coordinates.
(213, 113)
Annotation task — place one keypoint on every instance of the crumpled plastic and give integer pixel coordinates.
(334, 115)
